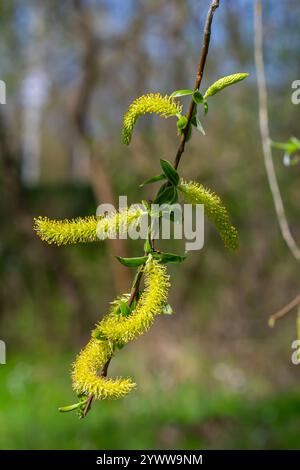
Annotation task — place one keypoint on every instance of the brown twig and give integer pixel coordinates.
(206, 41)
(284, 311)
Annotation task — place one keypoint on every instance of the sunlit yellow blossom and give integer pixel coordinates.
(118, 329)
(195, 193)
(121, 329)
(164, 106)
(88, 229)
(86, 369)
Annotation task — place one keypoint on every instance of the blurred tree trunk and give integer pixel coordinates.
(79, 108)
(20, 220)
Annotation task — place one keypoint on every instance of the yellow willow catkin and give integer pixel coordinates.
(116, 329)
(121, 329)
(86, 368)
(165, 106)
(195, 193)
(88, 229)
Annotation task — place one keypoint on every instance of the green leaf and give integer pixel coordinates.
(223, 83)
(147, 247)
(167, 310)
(167, 196)
(66, 409)
(291, 146)
(153, 179)
(170, 172)
(182, 123)
(197, 123)
(99, 335)
(197, 97)
(132, 262)
(178, 93)
(205, 106)
(169, 258)
(124, 308)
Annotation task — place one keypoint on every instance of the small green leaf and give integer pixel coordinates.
(132, 262)
(197, 97)
(223, 83)
(170, 172)
(147, 247)
(169, 258)
(182, 123)
(124, 308)
(153, 179)
(99, 335)
(167, 196)
(66, 409)
(291, 146)
(178, 93)
(197, 123)
(167, 310)
(205, 106)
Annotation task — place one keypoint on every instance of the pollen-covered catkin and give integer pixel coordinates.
(165, 106)
(117, 329)
(88, 229)
(85, 373)
(121, 329)
(195, 193)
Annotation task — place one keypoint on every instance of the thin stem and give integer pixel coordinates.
(265, 134)
(206, 41)
(203, 56)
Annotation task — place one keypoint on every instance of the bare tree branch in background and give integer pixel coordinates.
(265, 134)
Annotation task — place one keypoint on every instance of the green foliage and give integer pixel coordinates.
(132, 262)
(291, 148)
(169, 171)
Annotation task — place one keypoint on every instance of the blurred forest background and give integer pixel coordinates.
(213, 374)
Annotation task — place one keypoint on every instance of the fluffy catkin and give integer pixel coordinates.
(85, 373)
(120, 329)
(117, 329)
(88, 229)
(164, 106)
(195, 193)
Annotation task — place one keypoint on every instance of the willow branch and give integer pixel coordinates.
(265, 134)
(206, 41)
(203, 56)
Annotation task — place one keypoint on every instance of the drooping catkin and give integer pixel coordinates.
(195, 193)
(165, 106)
(121, 329)
(88, 229)
(86, 369)
(116, 329)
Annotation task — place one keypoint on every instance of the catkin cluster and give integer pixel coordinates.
(117, 329)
